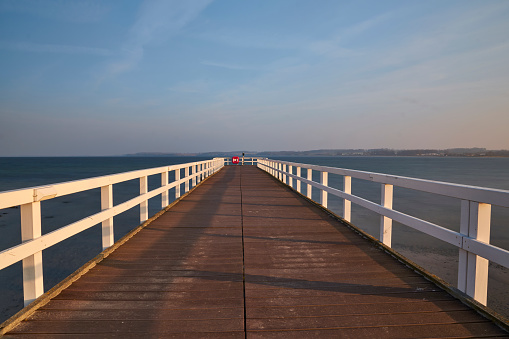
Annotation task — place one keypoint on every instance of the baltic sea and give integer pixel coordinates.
(434, 255)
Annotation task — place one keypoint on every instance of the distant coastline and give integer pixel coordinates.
(450, 152)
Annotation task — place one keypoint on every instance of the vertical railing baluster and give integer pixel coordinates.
(463, 254)
(297, 180)
(193, 172)
(143, 204)
(310, 177)
(386, 223)
(347, 204)
(284, 173)
(164, 196)
(177, 188)
(33, 283)
(290, 179)
(324, 180)
(186, 173)
(477, 267)
(107, 225)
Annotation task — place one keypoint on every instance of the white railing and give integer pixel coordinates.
(243, 161)
(475, 251)
(29, 200)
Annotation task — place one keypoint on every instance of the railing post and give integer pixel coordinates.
(193, 172)
(33, 284)
(386, 223)
(284, 173)
(463, 254)
(347, 204)
(297, 180)
(473, 269)
(310, 177)
(186, 173)
(198, 176)
(290, 179)
(177, 188)
(143, 204)
(324, 180)
(107, 225)
(164, 196)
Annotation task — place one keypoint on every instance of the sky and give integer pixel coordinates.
(115, 77)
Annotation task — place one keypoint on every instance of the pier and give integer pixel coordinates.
(240, 255)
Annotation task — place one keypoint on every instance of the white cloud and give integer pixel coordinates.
(197, 86)
(226, 65)
(51, 48)
(157, 21)
(79, 11)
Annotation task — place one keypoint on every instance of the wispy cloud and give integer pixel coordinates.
(80, 11)
(197, 86)
(226, 65)
(252, 39)
(334, 46)
(51, 48)
(157, 21)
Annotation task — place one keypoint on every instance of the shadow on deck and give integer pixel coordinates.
(242, 256)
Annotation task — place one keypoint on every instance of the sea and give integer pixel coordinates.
(434, 255)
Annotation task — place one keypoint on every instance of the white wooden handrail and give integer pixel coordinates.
(29, 200)
(243, 160)
(475, 251)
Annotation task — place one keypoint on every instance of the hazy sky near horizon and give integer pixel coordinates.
(113, 77)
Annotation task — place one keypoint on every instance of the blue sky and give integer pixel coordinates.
(115, 77)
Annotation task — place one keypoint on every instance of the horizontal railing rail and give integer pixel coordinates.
(472, 241)
(29, 201)
(243, 160)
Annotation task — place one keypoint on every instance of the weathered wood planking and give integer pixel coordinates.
(242, 255)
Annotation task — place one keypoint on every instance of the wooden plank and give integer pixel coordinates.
(308, 277)
(242, 244)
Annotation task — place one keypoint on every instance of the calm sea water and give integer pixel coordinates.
(62, 259)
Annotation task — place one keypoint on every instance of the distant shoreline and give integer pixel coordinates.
(383, 152)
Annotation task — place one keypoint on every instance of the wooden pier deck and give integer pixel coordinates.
(243, 256)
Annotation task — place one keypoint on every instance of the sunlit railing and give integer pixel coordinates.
(475, 251)
(242, 161)
(29, 200)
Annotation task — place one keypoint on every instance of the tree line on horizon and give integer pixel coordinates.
(451, 152)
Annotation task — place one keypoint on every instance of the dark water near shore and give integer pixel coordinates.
(438, 257)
